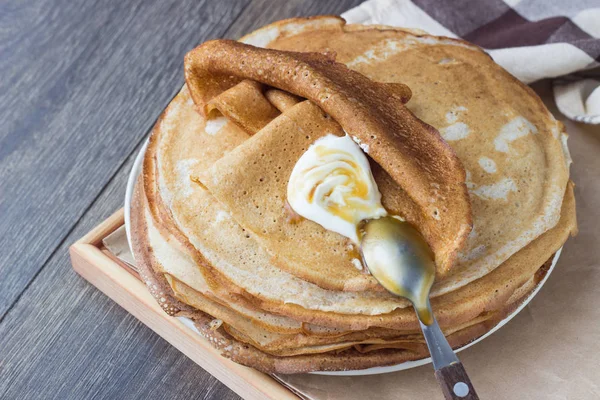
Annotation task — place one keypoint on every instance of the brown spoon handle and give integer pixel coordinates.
(455, 383)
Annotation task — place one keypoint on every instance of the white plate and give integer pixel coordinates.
(133, 175)
(135, 171)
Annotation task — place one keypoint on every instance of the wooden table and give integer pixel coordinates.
(81, 84)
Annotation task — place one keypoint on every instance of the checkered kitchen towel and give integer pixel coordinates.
(532, 39)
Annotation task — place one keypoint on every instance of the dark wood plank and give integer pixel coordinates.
(63, 338)
(82, 82)
(262, 12)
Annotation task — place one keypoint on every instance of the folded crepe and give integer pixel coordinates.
(214, 253)
(373, 113)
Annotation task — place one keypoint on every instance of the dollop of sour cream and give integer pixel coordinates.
(332, 185)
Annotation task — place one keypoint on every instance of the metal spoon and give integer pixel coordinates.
(400, 259)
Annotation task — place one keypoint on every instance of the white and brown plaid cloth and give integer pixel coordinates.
(532, 39)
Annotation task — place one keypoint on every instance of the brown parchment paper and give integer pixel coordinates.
(550, 350)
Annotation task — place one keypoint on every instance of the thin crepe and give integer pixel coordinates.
(498, 150)
(514, 151)
(220, 245)
(373, 113)
(215, 244)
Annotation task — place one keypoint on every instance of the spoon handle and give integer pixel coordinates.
(455, 383)
(449, 371)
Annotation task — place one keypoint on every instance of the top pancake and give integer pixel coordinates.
(509, 143)
(373, 113)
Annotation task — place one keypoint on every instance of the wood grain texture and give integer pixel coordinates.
(81, 86)
(262, 12)
(64, 339)
(125, 288)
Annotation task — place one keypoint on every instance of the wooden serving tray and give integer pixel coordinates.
(122, 284)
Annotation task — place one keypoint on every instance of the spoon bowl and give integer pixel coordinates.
(401, 261)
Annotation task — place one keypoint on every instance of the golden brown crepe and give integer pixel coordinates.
(204, 255)
(512, 148)
(485, 294)
(373, 113)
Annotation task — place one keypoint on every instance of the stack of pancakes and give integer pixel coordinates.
(216, 241)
